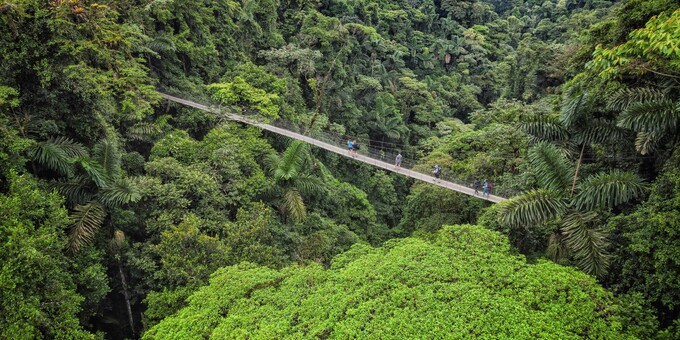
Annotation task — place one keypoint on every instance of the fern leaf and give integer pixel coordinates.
(294, 205)
(557, 248)
(143, 131)
(94, 170)
(647, 142)
(291, 161)
(73, 189)
(308, 184)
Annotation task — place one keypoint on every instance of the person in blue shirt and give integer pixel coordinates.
(350, 146)
(486, 188)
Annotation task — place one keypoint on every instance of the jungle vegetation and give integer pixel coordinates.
(125, 216)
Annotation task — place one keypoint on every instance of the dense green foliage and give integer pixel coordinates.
(465, 283)
(37, 281)
(120, 206)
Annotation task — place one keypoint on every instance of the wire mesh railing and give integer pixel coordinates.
(386, 152)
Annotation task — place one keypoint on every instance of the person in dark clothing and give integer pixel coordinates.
(356, 148)
(437, 172)
(477, 184)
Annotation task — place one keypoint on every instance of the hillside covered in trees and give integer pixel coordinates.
(123, 215)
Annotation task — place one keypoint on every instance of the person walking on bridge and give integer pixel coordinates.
(397, 161)
(350, 146)
(356, 147)
(486, 188)
(437, 172)
(476, 185)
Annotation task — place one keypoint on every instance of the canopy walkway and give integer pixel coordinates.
(372, 157)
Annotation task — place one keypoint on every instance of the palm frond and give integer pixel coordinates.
(118, 193)
(552, 168)
(621, 99)
(557, 248)
(647, 142)
(600, 131)
(607, 190)
(545, 128)
(291, 161)
(294, 205)
(586, 242)
(573, 109)
(94, 170)
(325, 173)
(162, 43)
(651, 116)
(86, 221)
(307, 184)
(532, 208)
(107, 154)
(57, 154)
(74, 189)
(271, 163)
(143, 131)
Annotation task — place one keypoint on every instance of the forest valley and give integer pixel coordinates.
(123, 215)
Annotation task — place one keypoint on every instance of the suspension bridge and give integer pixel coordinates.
(372, 158)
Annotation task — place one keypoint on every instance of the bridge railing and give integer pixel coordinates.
(385, 151)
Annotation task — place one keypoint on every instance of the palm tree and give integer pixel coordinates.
(575, 127)
(291, 181)
(579, 234)
(653, 114)
(571, 203)
(92, 185)
(385, 119)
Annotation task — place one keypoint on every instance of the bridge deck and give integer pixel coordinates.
(342, 151)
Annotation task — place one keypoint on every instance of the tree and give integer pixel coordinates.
(578, 212)
(292, 180)
(385, 119)
(647, 260)
(98, 186)
(38, 293)
(652, 113)
(404, 289)
(187, 257)
(245, 97)
(654, 49)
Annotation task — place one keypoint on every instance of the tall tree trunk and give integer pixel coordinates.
(126, 294)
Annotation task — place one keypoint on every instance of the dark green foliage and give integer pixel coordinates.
(648, 257)
(38, 293)
(426, 209)
(162, 195)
